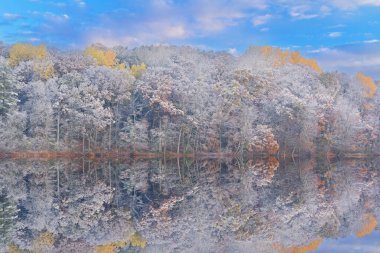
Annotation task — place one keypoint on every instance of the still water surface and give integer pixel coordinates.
(185, 205)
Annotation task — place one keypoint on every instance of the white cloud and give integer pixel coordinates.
(26, 32)
(80, 3)
(371, 41)
(232, 51)
(261, 20)
(165, 20)
(59, 5)
(335, 34)
(336, 26)
(352, 4)
(34, 39)
(11, 16)
(302, 12)
(351, 58)
(319, 50)
(215, 18)
(59, 19)
(176, 31)
(324, 11)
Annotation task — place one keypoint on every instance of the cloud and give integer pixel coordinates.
(177, 31)
(26, 32)
(335, 34)
(350, 58)
(215, 16)
(302, 12)
(308, 11)
(164, 20)
(353, 4)
(336, 26)
(80, 3)
(11, 16)
(34, 39)
(134, 23)
(261, 20)
(59, 19)
(232, 51)
(371, 41)
(59, 4)
(319, 50)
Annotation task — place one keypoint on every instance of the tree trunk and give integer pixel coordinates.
(58, 122)
(109, 136)
(179, 140)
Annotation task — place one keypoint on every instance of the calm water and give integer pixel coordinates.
(189, 206)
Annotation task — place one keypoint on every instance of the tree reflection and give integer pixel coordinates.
(186, 205)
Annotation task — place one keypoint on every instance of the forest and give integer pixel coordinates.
(180, 99)
(232, 123)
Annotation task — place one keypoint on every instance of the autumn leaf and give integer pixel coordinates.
(25, 52)
(368, 85)
(368, 227)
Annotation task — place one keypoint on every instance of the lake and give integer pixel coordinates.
(189, 205)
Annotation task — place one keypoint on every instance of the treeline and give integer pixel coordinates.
(181, 99)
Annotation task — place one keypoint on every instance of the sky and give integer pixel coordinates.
(342, 35)
(352, 244)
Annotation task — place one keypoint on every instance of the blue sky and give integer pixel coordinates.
(341, 34)
(352, 244)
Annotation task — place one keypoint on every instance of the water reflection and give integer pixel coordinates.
(185, 206)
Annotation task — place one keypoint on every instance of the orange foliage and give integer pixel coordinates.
(265, 142)
(368, 227)
(281, 57)
(266, 167)
(368, 84)
(308, 248)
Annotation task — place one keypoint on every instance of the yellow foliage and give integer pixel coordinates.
(102, 57)
(43, 242)
(109, 248)
(308, 248)
(137, 240)
(44, 69)
(137, 70)
(281, 57)
(24, 52)
(368, 84)
(266, 51)
(120, 66)
(13, 249)
(368, 227)
(295, 57)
